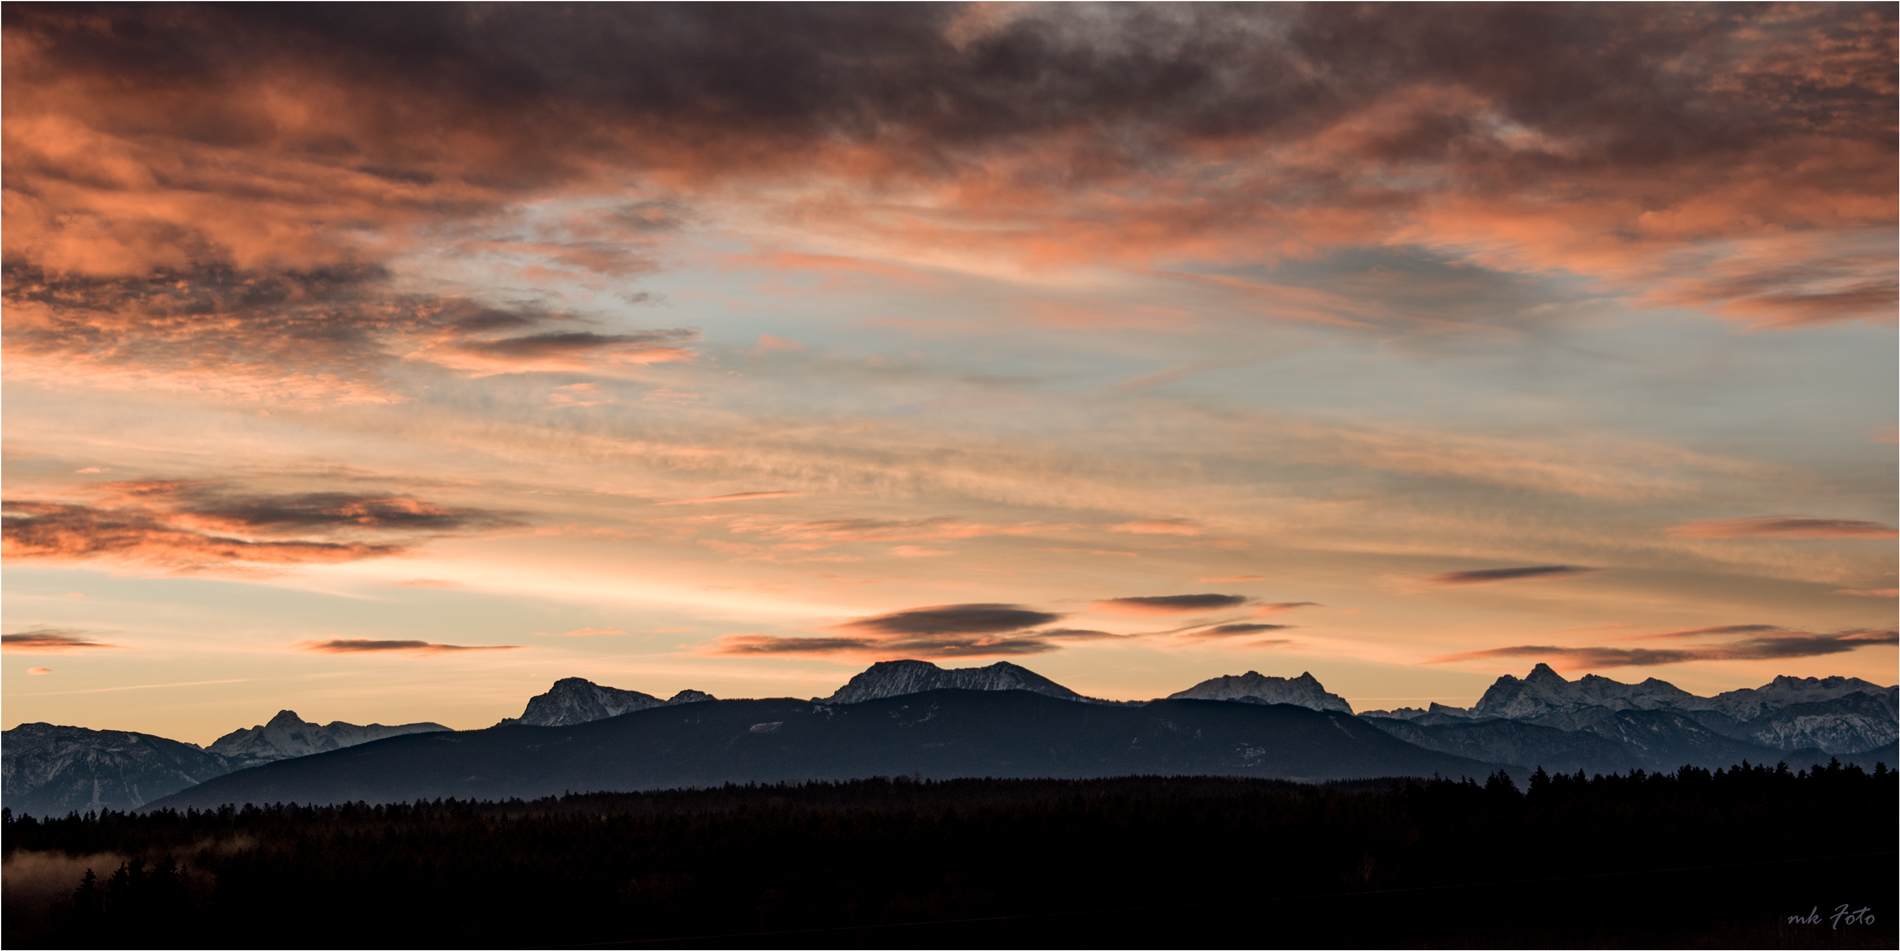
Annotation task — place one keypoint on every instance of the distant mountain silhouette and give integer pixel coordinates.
(1303, 691)
(573, 700)
(1544, 719)
(1002, 720)
(936, 734)
(896, 678)
(48, 770)
(288, 735)
(51, 770)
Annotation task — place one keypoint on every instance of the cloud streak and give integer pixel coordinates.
(1495, 575)
(365, 646)
(940, 631)
(1782, 526)
(46, 640)
(187, 526)
(1777, 647)
(1171, 604)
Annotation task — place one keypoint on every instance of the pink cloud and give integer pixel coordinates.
(585, 632)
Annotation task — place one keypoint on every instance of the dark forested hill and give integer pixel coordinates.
(1748, 858)
(940, 734)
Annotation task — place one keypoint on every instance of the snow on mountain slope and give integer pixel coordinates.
(1838, 715)
(575, 700)
(288, 735)
(1301, 691)
(48, 770)
(896, 678)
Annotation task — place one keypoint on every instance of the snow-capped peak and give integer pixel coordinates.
(896, 678)
(1303, 691)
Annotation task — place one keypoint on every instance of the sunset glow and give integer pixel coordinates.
(388, 363)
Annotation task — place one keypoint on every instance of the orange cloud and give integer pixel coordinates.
(734, 497)
(1781, 526)
(188, 526)
(1282, 607)
(578, 394)
(585, 632)
(1871, 592)
(1754, 144)
(38, 671)
(1159, 526)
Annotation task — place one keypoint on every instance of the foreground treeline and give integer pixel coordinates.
(1723, 858)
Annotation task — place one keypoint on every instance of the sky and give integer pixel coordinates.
(388, 363)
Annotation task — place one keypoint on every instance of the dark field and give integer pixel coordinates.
(1688, 860)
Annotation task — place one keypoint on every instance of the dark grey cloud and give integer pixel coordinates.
(939, 631)
(361, 646)
(1172, 603)
(48, 640)
(1238, 630)
(561, 344)
(1490, 575)
(1625, 86)
(932, 646)
(954, 619)
(1776, 647)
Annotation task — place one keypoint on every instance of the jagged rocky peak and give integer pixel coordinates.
(1545, 691)
(690, 696)
(576, 700)
(895, 678)
(1301, 691)
(288, 735)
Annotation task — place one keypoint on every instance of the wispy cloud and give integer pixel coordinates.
(1495, 575)
(1776, 647)
(363, 646)
(1782, 526)
(1171, 603)
(47, 640)
(1159, 526)
(189, 526)
(1268, 610)
(1237, 630)
(734, 497)
(947, 630)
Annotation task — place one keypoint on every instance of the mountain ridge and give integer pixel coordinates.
(938, 734)
(1304, 690)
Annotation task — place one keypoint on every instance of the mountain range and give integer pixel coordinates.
(50, 770)
(913, 717)
(1656, 724)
